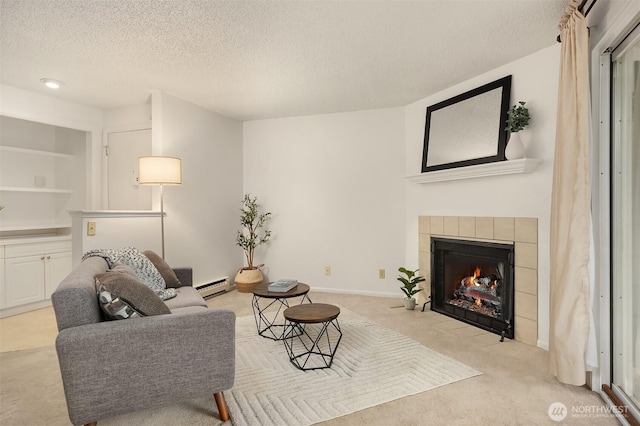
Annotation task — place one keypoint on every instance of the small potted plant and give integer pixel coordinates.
(248, 238)
(410, 281)
(517, 119)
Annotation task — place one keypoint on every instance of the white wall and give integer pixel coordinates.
(114, 230)
(202, 213)
(535, 80)
(132, 115)
(334, 184)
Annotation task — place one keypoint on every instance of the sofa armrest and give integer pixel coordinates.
(160, 359)
(185, 275)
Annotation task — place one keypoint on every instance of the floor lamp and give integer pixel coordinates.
(160, 171)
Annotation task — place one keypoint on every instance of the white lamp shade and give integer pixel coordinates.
(159, 171)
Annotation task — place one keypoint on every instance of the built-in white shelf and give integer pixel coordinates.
(34, 152)
(525, 165)
(35, 189)
(34, 238)
(34, 227)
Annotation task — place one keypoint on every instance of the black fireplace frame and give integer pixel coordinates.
(439, 248)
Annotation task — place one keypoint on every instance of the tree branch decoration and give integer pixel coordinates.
(252, 221)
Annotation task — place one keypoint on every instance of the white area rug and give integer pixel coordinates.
(372, 365)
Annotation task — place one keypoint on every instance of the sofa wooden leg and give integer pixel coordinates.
(92, 424)
(222, 406)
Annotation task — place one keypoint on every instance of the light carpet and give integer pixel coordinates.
(372, 365)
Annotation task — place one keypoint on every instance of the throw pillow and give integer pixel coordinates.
(123, 269)
(170, 278)
(127, 296)
(113, 307)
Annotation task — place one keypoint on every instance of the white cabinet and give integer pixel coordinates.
(24, 280)
(56, 267)
(33, 270)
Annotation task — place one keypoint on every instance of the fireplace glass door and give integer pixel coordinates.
(473, 281)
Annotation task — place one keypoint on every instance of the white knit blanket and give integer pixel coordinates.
(142, 266)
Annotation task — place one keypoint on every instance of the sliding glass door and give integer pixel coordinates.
(625, 215)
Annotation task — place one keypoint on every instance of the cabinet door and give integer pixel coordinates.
(24, 280)
(57, 267)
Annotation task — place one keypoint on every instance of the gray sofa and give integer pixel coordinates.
(114, 367)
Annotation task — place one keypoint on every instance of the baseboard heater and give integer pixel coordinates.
(211, 289)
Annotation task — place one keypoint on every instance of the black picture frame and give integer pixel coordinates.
(467, 129)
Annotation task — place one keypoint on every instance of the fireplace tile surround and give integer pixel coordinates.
(520, 231)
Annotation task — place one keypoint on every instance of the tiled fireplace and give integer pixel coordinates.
(519, 231)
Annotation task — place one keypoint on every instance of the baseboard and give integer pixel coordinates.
(16, 310)
(358, 292)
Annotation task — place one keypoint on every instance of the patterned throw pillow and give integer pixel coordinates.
(170, 278)
(113, 307)
(121, 295)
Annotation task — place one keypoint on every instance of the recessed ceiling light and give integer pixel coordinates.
(51, 83)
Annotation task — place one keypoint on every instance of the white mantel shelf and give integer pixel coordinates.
(525, 165)
(114, 213)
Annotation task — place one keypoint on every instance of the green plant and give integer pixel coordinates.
(517, 117)
(250, 237)
(409, 281)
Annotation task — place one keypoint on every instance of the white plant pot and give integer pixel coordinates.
(515, 149)
(409, 304)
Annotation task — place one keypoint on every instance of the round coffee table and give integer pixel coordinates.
(268, 307)
(308, 335)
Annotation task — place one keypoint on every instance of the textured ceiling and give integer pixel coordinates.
(261, 59)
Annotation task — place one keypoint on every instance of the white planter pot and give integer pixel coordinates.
(409, 304)
(515, 148)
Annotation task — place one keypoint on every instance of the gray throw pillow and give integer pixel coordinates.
(121, 295)
(170, 278)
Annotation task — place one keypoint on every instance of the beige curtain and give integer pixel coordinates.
(570, 207)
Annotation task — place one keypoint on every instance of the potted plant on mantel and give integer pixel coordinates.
(410, 281)
(517, 119)
(248, 238)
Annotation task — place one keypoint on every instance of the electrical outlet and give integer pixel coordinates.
(327, 270)
(91, 229)
(381, 274)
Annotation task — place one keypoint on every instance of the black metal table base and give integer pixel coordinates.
(310, 346)
(269, 320)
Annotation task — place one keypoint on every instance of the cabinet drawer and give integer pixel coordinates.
(17, 250)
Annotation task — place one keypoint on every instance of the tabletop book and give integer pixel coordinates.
(282, 286)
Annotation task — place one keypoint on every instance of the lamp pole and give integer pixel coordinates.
(162, 217)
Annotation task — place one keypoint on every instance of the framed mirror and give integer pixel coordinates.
(467, 129)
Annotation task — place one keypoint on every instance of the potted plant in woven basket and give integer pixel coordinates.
(248, 238)
(410, 281)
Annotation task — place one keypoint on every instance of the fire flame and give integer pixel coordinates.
(476, 274)
(478, 302)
